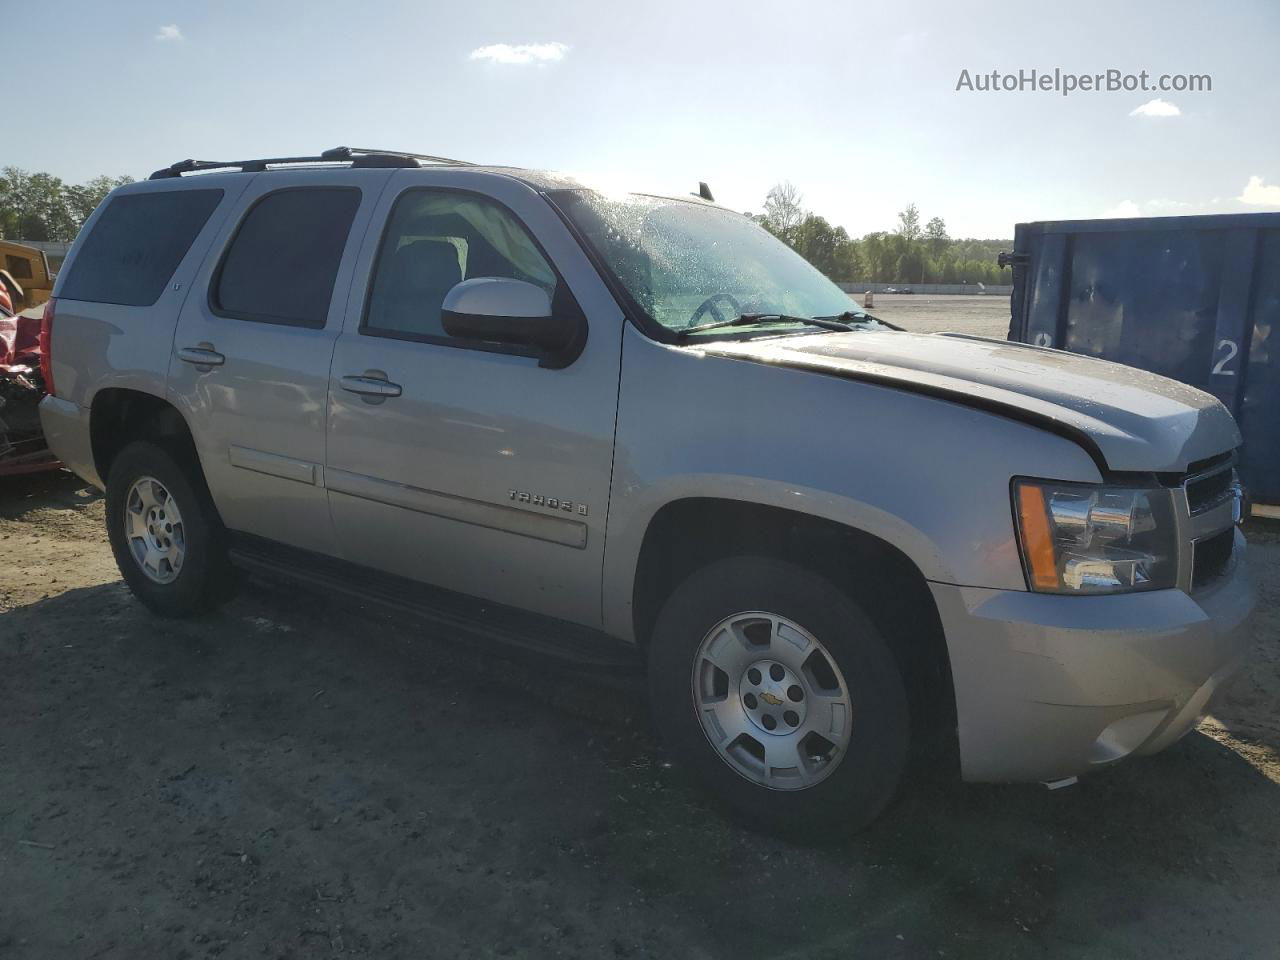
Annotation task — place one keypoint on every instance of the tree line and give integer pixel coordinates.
(916, 252)
(40, 206)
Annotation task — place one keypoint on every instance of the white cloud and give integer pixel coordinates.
(521, 53)
(169, 31)
(1259, 194)
(1156, 108)
(1256, 193)
(1125, 208)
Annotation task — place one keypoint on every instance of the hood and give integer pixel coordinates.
(1127, 419)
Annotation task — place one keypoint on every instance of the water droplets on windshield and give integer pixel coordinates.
(687, 263)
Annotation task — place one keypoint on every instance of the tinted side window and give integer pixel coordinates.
(436, 239)
(283, 260)
(136, 244)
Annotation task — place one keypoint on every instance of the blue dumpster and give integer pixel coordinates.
(1193, 298)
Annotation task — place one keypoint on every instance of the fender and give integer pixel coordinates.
(626, 536)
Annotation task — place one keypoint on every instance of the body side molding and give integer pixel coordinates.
(570, 533)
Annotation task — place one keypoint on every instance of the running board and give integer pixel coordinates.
(454, 613)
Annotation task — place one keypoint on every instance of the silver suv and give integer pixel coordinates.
(639, 430)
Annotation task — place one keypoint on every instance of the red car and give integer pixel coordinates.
(22, 378)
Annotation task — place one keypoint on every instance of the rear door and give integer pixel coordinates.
(482, 471)
(250, 362)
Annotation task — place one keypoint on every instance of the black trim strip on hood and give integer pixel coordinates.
(985, 404)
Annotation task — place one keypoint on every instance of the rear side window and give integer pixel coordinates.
(282, 263)
(136, 244)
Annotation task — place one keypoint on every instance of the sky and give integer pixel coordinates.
(855, 103)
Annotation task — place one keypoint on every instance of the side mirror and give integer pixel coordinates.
(500, 310)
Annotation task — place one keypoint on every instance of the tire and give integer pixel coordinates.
(822, 786)
(201, 578)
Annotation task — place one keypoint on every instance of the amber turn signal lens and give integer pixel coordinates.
(1037, 538)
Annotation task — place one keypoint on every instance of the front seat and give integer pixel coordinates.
(418, 277)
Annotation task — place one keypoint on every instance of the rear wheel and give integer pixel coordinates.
(778, 692)
(165, 533)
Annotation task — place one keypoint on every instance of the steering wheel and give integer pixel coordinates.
(709, 305)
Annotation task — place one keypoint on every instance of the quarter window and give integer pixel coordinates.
(435, 240)
(283, 262)
(136, 244)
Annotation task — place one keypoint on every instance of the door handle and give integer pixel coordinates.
(202, 356)
(368, 386)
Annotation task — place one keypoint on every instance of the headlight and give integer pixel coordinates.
(1081, 538)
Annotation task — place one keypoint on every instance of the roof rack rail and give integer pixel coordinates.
(355, 156)
(429, 158)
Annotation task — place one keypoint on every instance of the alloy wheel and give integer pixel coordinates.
(154, 531)
(771, 700)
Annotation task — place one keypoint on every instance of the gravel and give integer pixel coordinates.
(294, 777)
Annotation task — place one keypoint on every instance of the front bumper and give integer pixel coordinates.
(1052, 686)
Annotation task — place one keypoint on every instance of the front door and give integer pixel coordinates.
(465, 464)
(251, 355)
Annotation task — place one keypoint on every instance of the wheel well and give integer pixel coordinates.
(689, 534)
(118, 417)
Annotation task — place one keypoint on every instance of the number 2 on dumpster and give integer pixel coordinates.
(1230, 348)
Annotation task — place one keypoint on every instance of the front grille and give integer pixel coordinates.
(1209, 483)
(1205, 492)
(1211, 557)
(1208, 463)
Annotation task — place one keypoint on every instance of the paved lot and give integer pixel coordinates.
(291, 778)
(926, 313)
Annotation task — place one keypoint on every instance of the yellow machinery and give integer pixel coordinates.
(25, 272)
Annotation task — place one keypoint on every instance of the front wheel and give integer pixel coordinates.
(165, 533)
(773, 686)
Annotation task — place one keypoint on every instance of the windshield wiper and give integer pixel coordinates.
(759, 319)
(850, 316)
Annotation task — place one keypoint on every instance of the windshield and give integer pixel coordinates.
(687, 264)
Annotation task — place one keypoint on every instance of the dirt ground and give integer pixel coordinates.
(936, 313)
(295, 778)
